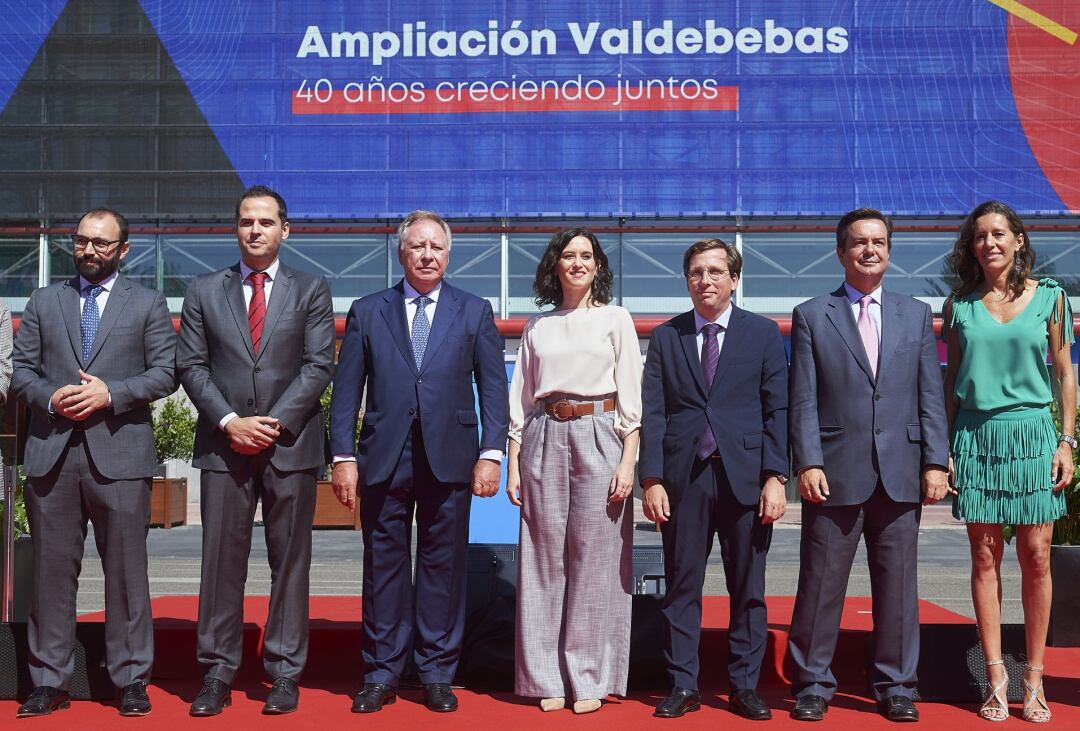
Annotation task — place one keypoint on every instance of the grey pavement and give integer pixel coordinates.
(337, 564)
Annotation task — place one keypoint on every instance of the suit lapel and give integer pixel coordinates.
(393, 311)
(890, 327)
(118, 297)
(688, 337)
(279, 299)
(839, 314)
(234, 295)
(445, 315)
(69, 308)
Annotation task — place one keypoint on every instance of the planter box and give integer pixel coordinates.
(329, 512)
(1064, 617)
(168, 502)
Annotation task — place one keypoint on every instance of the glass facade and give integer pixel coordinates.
(783, 264)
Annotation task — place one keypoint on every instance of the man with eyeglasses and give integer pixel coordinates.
(714, 461)
(91, 355)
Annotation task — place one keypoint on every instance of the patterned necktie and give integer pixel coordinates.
(710, 354)
(90, 319)
(421, 328)
(868, 333)
(257, 308)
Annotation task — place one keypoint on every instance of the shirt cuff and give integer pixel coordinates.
(344, 458)
(226, 419)
(495, 455)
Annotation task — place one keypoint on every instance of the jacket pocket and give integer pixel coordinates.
(468, 418)
(752, 441)
(914, 433)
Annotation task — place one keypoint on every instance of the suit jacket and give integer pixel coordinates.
(847, 421)
(377, 353)
(221, 373)
(133, 353)
(746, 406)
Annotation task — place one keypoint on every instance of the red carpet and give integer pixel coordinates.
(334, 675)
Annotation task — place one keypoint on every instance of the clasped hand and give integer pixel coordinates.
(77, 402)
(252, 434)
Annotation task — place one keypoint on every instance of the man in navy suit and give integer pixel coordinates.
(714, 460)
(867, 427)
(416, 347)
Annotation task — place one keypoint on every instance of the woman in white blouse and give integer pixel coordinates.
(575, 413)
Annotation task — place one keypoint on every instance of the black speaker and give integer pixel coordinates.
(90, 681)
(952, 668)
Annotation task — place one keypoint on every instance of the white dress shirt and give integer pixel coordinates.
(103, 296)
(249, 290)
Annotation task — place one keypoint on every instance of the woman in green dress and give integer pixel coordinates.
(1009, 462)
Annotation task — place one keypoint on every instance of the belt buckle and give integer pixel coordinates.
(557, 412)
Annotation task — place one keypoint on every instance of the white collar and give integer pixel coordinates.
(105, 283)
(722, 320)
(271, 271)
(411, 293)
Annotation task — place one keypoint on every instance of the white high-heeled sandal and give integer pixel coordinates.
(996, 705)
(1035, 708)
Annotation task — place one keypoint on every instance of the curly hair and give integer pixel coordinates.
(962, 259)
(547, 287)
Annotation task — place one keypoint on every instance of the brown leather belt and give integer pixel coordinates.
(565, 409)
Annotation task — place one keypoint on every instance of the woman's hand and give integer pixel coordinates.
(622, 483)
(1062, 470)
(513, 487)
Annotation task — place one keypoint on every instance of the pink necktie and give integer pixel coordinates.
(868, 334)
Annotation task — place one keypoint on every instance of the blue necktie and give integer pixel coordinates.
(91, 316)
(710, 354)
(421, 328)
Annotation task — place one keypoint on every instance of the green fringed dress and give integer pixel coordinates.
(1003, 437)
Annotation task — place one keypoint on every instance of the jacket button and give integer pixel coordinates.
(419, 380)
(251, 402)
(877, 431)
(412, 411)
(877, 396)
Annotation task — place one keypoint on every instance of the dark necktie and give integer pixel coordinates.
(421, 328)
(257, 308)
(91, 318)
(710, 354)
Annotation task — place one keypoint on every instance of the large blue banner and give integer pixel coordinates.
(638, 108)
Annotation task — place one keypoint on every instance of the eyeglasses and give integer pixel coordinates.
(714, 275)
(100, 245)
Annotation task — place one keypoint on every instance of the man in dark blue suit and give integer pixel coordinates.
(416, 347)
(714, 460)
(869, 441)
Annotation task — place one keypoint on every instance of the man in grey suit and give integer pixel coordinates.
(92, 353)
(256, 351)
(869, 442)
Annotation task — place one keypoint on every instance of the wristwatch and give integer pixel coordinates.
(1067, 439)
(780, 477)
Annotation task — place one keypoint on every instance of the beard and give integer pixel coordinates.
(95, 268)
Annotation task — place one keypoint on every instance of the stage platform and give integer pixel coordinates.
(333, 676)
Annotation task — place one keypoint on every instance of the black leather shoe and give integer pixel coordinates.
(214, 697)
(898, 708)
(373, 697)
(284, 697)
(809, 708)
(439, 698)
(748, 704)
(134, 701)
(678, 702)
(44, 700)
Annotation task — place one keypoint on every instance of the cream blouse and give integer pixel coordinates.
(589, 352)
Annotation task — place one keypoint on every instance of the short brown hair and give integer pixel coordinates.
(734, 258)
(862, 214)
